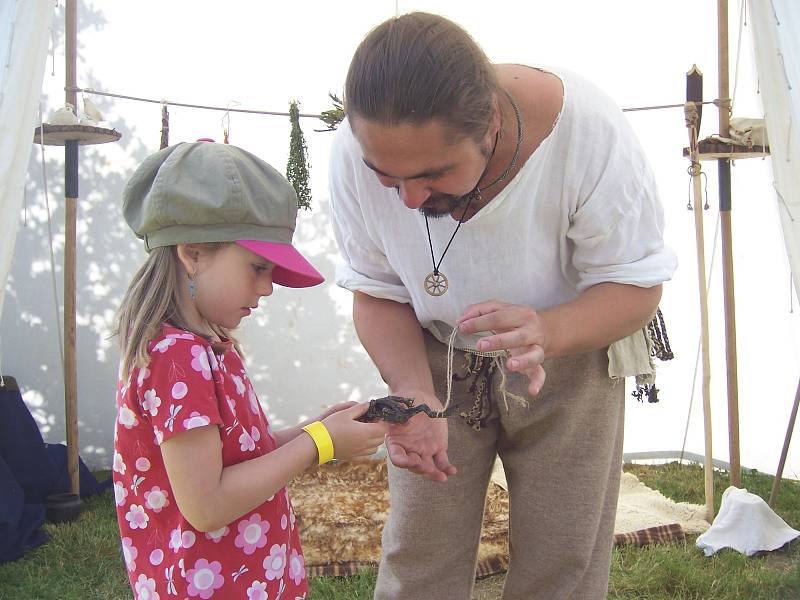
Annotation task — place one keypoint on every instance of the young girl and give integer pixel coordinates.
(199, 475)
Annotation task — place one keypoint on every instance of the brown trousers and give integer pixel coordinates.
(562, 457)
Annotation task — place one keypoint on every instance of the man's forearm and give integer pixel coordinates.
(392, 336)
(601, 315)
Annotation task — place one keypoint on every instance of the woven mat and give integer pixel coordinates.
(342, 535)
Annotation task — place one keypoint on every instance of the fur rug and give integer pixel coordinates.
(341, 509)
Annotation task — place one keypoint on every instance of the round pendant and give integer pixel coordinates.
(436, 283)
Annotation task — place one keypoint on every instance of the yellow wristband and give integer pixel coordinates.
(322, 439)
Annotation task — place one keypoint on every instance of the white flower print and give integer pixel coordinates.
(142, 464)
(200, 362)
(156, 557)
(246, 442)
(180, 336)
(179, 390)
(146, 588)
(275, 563)
(137, 517)
(159, 435)
(127, 418)
(181, 539)
(164, 345)
(255, 433)
(231, 404)
(144, 373)
(284, 522)
(257, 591)
(119, 464)
(120, 493)
(216, 535)
(156, 499)
(240, 386)
(252, 534)
(129, 553)
(151, 402)
(195, 420)
(253, 401)
(212, 361)
(204, 578)
(297, 567)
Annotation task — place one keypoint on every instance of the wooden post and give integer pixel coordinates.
(694, 107)
(70, 219)
(724, 169)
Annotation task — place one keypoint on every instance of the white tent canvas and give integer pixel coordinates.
(301, 349)
(26, 26)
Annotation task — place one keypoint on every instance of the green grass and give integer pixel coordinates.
(82, 559)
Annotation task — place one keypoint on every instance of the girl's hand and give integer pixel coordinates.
(351, 438)
(335, 408)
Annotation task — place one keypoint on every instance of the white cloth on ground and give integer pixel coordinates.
(745, 523)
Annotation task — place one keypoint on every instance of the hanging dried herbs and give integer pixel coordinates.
(297, 168)
(334, 116)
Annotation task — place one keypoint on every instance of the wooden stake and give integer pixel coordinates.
(779, 473)
(70, 219)
(694, 98)
(724, 169)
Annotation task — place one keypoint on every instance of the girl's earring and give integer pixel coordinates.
(192, 287)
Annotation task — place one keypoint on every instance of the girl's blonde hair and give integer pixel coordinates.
(153, 298)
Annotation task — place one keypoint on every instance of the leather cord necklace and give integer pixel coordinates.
(436, 283)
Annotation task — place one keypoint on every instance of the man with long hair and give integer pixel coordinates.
(500, 228)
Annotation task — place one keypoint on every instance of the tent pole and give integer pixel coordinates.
(779, 473)
(724, 167)
(694, 108)
(70, 218)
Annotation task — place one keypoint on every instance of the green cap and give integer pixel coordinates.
(206, 192)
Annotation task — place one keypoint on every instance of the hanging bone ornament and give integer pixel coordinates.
(64, 116)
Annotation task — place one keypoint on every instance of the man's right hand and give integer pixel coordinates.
(420, 445)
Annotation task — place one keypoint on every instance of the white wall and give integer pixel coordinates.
(301, 349)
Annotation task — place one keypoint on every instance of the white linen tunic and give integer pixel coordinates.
(582, 210)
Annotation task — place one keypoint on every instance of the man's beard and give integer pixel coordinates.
(441, 205)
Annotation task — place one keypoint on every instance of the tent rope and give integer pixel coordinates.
(699, 343)
(286, 114)
(50, 245)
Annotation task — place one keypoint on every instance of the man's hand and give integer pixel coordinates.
(420, 445)
(517, 329)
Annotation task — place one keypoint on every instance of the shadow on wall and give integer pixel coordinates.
(301, 349)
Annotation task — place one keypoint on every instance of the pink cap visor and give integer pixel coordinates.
(291, 269)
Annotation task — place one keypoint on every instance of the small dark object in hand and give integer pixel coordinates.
(396, 409)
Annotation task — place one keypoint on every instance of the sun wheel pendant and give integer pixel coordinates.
(436, 283)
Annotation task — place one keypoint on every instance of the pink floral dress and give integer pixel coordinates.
(187, 384)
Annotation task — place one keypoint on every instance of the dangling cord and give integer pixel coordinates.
(452, 237)
(495, 356)
(50, 245)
